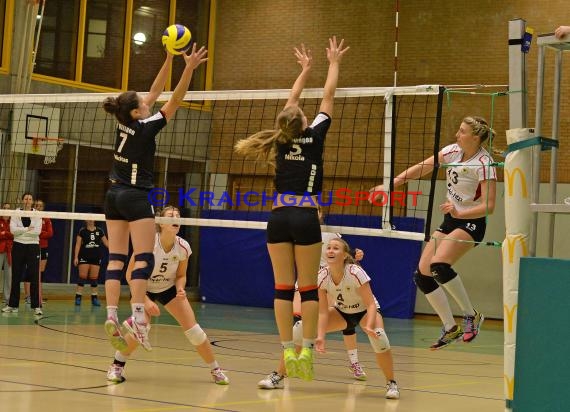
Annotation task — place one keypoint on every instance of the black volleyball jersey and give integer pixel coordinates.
(135, 145)
(299, 165)
(91, 241)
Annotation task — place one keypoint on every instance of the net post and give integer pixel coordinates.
(517, 120)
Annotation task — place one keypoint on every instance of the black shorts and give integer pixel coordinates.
(128, 203)
(352, 320)
(475, 227)
(163, 297)
(44, 253)
(298, 225)
(89, 260)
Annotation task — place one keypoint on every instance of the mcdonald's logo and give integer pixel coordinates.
(509, 386)
(510, 317)
(510, 179)
(511, 243)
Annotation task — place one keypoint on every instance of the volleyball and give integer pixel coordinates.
(176, 39)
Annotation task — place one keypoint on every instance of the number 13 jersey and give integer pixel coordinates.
(464, 177)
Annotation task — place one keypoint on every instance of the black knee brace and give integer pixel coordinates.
(144, 272)
(426, 284)
(117, 274)
(349, 332)
(94, 284)
(442, 272)
(310, 294)
(285, 293)
(80, 284)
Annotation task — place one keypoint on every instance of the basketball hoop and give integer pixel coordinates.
(51, 147)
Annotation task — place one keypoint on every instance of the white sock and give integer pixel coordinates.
(120, 357)
(213, 365)
(456, 289)
(352, 355)
(308, 343)
(288, 344)
(112, 313)
(138, 313)
(438, 301)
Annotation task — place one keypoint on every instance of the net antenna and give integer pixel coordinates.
(49, 147)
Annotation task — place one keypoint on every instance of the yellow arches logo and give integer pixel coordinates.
(511, 243)
(510, 316)
(510, 180)
(510, 386)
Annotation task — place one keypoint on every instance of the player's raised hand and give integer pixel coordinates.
(196, 57)
(303, 56)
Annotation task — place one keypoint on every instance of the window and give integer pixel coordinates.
(194, 14)
(150, 18)
(2, 27)
(57, 47)
(84, 41)
(104, 43)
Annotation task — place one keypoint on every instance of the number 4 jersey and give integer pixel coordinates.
(166, 264)
(344, 295)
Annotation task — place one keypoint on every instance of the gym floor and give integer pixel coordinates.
(60, 361)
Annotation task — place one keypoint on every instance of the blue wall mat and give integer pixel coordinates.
(541, 355)
(235, 267)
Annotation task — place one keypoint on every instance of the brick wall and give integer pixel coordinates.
(440, 42)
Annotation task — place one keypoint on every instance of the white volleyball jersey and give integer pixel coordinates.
(345, 296)
(464, 178)
(327, 237)
(166, 264)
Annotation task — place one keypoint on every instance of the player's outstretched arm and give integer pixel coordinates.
(157, 86)
(305, 59)
(335, 52)
(192, 60)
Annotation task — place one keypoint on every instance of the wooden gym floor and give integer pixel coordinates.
(60, 361)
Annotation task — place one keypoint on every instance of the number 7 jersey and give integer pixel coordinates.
(135, 146)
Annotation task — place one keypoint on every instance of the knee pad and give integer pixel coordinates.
(117, 274)
(145, 272)
(120, 257)
(284, 292)
(196, 335)
(442, 272)
(94, 284)
(349, 332)
(426, 284)
(80, 284)
(382, 344)
(298, 333)
(309, 293)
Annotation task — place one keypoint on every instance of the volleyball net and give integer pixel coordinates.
(59, 147)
